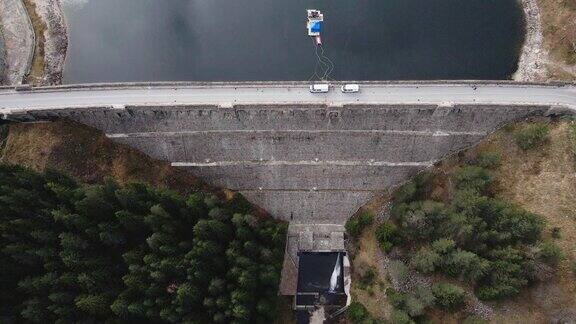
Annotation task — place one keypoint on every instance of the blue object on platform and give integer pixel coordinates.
(315, 28)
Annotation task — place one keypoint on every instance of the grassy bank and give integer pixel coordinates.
(559, 24)
(543, 181)
(536, 171)
(89, 156)
(36, 75)
(369, 277)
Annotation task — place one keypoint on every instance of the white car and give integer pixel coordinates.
(348, 88)
(316, 88)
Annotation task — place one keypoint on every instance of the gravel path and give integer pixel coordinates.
(56, 39)
(533, 57)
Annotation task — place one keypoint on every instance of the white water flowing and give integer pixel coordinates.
(335, 275)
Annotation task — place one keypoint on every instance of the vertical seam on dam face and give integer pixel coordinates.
(307, 164)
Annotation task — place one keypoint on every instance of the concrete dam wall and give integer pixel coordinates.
(308, 164)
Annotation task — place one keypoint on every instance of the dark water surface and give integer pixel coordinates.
(158, 40)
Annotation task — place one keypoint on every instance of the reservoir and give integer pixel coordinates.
(231, 40)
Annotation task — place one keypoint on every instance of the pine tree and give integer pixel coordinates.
(99, 253)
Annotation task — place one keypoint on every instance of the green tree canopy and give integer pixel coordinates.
(77, 253)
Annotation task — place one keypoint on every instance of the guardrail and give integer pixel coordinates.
(183, 84)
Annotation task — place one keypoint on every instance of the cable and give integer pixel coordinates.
(326, 65)
(323, 65)
(316, 65)
(332, 66)
(315, 74)
(319, 63)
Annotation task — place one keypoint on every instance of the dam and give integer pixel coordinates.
(310, 159)
(305, 158)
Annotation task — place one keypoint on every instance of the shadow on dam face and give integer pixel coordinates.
(307, 164)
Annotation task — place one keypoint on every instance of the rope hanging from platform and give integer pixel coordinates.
(323, 62)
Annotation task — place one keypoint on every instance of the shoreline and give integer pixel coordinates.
(19, 40)
(533, 55)
(22, 46)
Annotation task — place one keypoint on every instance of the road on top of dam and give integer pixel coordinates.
(227, 95)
